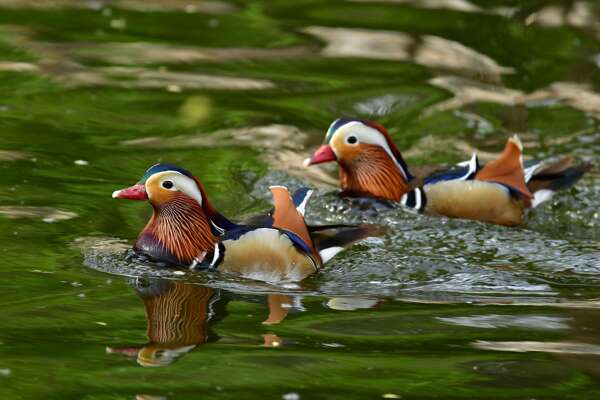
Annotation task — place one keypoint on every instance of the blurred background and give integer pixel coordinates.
(239, 93)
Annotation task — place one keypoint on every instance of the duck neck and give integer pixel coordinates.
(373, 174)
(179, 232)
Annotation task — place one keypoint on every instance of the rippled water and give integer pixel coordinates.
(240, 93)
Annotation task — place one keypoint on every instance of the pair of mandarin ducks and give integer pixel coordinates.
(185, 229)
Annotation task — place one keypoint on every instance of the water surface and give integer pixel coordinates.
(239, 93)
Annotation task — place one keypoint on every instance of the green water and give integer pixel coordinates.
(239, 93)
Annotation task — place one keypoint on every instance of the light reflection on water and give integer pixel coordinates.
(181, 317)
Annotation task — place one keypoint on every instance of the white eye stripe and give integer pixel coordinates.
(180, 182)
(366, 134)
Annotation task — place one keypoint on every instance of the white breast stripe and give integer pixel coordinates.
(216, 255)
(418, 199)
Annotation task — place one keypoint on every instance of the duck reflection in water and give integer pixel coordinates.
(180, 317)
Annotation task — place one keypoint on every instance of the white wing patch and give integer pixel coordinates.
(330, 252)
(302, 206)
(529, 171)
(541, 196)
(216, 255)
(472, 164)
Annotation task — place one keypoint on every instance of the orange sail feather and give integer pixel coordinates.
(508, 170)
(287, 217)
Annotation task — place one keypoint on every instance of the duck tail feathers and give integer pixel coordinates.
(330, 245)
(558, 176)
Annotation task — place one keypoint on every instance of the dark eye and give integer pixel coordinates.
(167, 184)
(352, 140)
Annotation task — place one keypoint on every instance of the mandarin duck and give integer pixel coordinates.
(370, 165)
(186, 230)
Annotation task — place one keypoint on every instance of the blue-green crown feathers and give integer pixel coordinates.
(335, 125)
(156, 168)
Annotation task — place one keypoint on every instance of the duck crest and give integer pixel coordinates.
(372, 173)
(179, 231)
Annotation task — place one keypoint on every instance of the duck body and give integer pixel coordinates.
(185, 230)
(498, 192)
(272, 247)
(483, 201)
(267, 254)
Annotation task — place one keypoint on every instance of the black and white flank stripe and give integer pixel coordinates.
(415, 200)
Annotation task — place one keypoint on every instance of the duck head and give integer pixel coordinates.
(370, 163)
(180, 229)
